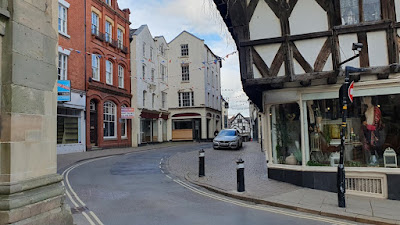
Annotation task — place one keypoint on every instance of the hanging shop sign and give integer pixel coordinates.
(64, 90)
(127, 113)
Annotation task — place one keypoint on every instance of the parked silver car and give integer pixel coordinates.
(228, 138)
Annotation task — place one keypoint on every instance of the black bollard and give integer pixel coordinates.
(240, 175)
(201, 163)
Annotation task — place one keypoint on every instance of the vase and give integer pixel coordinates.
(291, 160)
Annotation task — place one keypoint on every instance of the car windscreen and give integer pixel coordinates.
(226, 133)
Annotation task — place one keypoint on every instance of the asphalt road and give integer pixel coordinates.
(136, 189)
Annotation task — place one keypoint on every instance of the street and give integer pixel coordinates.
(136, 188)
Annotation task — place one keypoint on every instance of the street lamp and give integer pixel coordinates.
(345, 93)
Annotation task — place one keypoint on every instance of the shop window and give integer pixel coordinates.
(373, 132)
(286, 134)
(68, 126)
(110, 115)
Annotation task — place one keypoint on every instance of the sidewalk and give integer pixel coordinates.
(220, 177)
(66, 160)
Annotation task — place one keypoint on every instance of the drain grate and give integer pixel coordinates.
(79, 210)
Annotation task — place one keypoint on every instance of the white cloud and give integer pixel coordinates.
(168, 18)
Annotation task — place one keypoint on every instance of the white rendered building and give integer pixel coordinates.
(194, 95)
(149, 87)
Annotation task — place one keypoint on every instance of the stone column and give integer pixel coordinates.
(30, 188)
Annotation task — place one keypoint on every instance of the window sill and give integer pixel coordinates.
(110, 138)
(64, 34)
(186, 81)
(124, 138)
(184, 57)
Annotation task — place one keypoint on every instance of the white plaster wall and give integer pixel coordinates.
(308, 17)
(264, 23)
(397, 6)
(267, 52)
(377, 48)
(297, 67)
(346, 42)
(282, 72)
(310, 49)
(329, 64)
(256, 72)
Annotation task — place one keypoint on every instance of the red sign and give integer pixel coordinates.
(127, 113)
(350, 91)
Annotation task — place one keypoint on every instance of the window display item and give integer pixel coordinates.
(390, 158)
(334, 158)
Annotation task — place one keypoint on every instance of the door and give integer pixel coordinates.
(93, 128)
(197, 130)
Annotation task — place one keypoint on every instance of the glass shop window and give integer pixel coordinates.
(286, 134)
(372, 137)
(68, 126)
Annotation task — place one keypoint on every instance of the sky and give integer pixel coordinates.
(169, 18)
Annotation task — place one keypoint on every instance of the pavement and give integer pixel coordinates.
(220, 177)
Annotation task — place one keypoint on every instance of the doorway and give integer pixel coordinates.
(93, 124)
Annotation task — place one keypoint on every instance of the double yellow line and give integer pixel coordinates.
(74, 198)
(262, 208)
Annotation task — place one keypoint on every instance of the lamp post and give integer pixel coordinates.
(345, 93)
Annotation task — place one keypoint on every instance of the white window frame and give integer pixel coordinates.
(163, 72)
(153, 98)
(108, 2)
(125, 125)
(120, 76)
(95, 67)
(63, 7)
(163, 100)
(120, 37)
(186, 99)
(144, 71)
(185, 72)
(95, 23)
(110, 116)
(109, 72)
(144, 98)
(62, 66)
(184, 50)
(108, 32)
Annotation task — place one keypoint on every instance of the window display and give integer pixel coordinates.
(373, 129)
(286, 134)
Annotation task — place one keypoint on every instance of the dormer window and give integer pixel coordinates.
(358, 11)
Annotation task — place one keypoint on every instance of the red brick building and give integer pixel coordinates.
(94, 56)
(71, 132)
(108, 74)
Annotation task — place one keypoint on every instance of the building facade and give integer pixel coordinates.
(71, 126)
(107, 76)
(242, 125)
(300, 70)
(149, 63)
(224, 113)
(194, 85)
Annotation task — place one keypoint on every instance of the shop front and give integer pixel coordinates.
(303, 141)
(71, 124)
(153, 126)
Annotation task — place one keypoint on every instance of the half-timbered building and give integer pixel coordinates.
(291, 54)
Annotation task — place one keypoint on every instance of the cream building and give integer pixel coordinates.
(194, 94)
(149, 65)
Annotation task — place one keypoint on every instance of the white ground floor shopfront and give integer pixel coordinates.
(301, 136)
(193, 124)
(149, 127)
(71, 124)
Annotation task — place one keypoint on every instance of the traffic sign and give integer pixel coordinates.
(350, 91)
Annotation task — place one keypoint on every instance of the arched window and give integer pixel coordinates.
(110, 118)
(124, 126)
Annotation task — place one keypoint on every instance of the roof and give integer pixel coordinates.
(187, 33)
